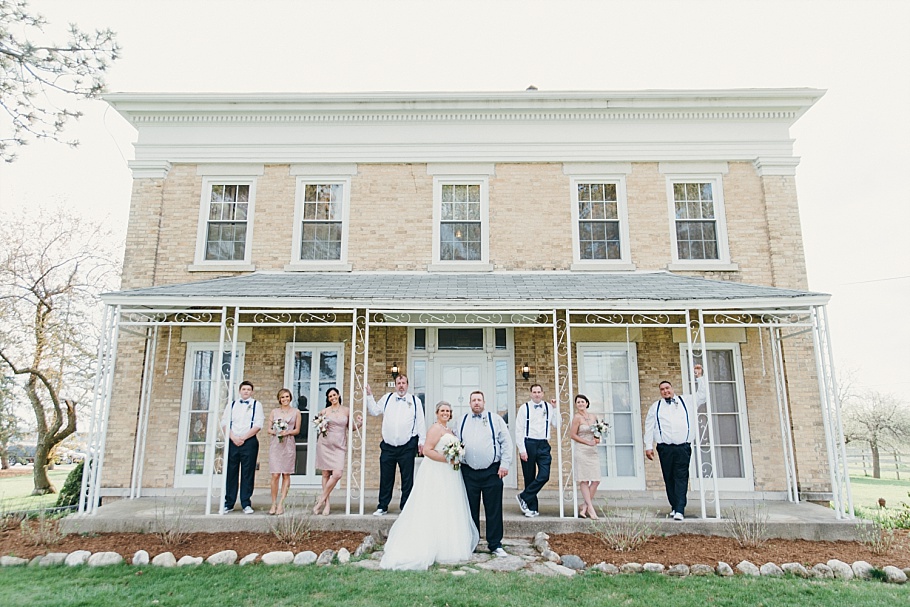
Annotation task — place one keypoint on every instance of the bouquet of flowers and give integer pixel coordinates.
(453, 452)
(321, 423)
(278, 426)
(600, 428)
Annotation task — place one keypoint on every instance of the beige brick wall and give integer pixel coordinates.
(391, 229)
(391, 222)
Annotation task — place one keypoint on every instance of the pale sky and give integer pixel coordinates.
(854, 144)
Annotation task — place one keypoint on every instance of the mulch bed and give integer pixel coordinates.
(691, 549)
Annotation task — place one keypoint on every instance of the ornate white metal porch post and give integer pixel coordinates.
(145, 395)
(562, 370)
(101, 369)
(355, 396)
(232, 378)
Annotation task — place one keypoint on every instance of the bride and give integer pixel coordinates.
(435, 524)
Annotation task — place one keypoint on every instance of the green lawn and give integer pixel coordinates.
(15, 490)
(866, 491)
(349, 586)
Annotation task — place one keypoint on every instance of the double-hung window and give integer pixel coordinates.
(321, 217)
(600, 231)
(227, 225)
(461, 223)
(225, 236)
(698, 230)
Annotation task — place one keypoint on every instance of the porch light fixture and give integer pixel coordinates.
(526, 371)
(394, 370)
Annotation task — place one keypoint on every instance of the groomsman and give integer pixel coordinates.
(672, 422)
(241, 421)
(532, 435)
(403, 433)
(487, 457)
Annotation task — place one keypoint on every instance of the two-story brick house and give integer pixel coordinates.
(588, 241)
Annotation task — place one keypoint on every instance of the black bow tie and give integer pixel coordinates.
(538, 405)
(477, 415)
(400, 398)
(670, 401)
(244, 402)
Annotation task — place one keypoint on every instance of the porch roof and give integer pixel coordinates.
(463, 290)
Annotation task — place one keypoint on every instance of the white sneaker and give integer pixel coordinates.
(522, 504)
(248, 510)
(500, 552)
(531, 513)
(678, 516)
(224, 510)
(380, 512)
(672, 514)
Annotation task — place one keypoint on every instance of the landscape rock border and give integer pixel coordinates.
(530, 557)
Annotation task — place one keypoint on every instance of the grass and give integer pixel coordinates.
(866, 491)
(15, 491)
(349, 586)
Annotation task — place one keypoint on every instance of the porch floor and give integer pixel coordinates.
(787, 520)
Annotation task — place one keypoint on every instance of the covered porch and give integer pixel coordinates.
(583, 331)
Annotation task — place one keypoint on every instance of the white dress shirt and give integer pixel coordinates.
(402, 418)
(241, 415)
(678, 422)
(483, 443)
(538, 425)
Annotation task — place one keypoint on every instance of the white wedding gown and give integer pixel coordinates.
(435, 525)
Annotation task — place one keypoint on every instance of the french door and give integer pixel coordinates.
(310, 370)
(728, 412)
(608, 376)
(205, 379)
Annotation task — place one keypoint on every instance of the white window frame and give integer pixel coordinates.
(625, 260)
(723, 261)
(747, 483)
(624, 483)
(452, 265)
(201, 264)
(320, 265)
(196, 481)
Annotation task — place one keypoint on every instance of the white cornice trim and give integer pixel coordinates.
(149, 169)
(776, 166)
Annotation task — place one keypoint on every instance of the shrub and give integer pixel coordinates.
(748, 525)
(295, 525)
(626, 529)
(69, 495)
(43, 531)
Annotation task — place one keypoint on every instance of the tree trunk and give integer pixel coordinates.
(4, 460)
(42, 483)
(876, 462)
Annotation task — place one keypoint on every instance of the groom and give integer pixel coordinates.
(487, 455)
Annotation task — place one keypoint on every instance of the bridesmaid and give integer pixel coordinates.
(332, 449)
(282, 450)
(587, 462)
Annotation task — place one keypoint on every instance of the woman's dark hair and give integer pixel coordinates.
(329, 391)
(577, 396)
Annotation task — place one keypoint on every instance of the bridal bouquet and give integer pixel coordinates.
(278, 426)
(600, 428)
(453, 452)
(321, 423)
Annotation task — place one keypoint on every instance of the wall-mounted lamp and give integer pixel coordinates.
(458, 233)
(394, 370)
(526, 371)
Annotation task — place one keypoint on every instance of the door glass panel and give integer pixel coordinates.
(301, 390)
(458, 381)
(604, 379)
(502, 389)
(313, 371)
(726, 413)
(196, 421)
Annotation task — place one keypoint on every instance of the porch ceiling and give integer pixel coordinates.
(468, 290)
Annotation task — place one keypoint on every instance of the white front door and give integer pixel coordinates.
(458, 376)
(310, 370)
(608, 376)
